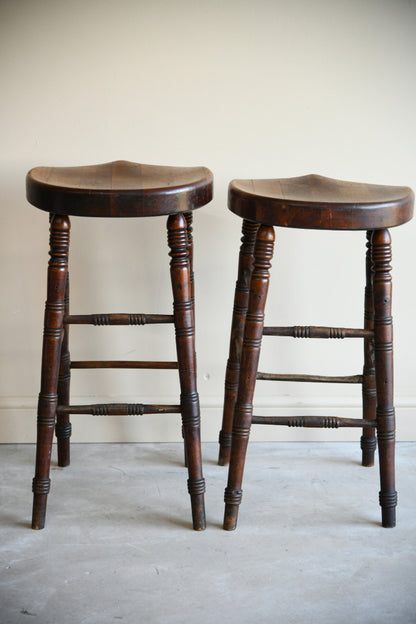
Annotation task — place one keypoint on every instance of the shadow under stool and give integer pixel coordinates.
(319, 203)
(116, 189)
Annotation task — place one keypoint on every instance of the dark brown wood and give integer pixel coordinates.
(189, 219)
(51, 351)
(317, 202)
(368, 439)
(118, 409)
(63, 428)
(183, 309)
(189, 229)
(118, 319)
(123, 364)
(263, 254)
(319, 422)
(119, 189)
(383, 350)
(245, 269)
(351, 379)
(302, 331)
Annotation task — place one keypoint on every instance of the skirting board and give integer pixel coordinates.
(18, 421)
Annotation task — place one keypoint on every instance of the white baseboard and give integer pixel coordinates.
(18, 420)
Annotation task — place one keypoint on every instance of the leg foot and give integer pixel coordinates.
(41, 489)
(388, 510)
(368, 446)
(232, 500)
(224, 441)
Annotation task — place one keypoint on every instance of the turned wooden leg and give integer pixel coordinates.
(183, 310)
(245, 269)
(189, 218)
(63, 425)
(51, 352)
(383, 347)
(248, 370)
(368, 439)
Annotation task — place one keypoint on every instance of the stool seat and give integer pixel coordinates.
(317, 202)
(119, 189)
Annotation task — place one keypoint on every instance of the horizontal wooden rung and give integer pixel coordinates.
(118, 319)
(123, 364)
(305, 331)
(331, 422)
(119, 409)
(351, 379)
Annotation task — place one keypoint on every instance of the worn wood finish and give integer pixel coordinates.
(317, 202)
(368, 439)
(383, 351)
(123, 364)
(51, 351)
(310, 331)
(118, 319)
(245, 269)
(116, 189)
(119, 189)
(348, 379)
(118, 409)
(183, 311)
(263, 254)
(316, 422)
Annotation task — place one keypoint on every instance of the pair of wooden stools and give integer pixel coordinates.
(125, 189)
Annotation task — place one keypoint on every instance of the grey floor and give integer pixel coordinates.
(118, 546)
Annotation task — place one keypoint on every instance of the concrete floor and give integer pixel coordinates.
(118, 546)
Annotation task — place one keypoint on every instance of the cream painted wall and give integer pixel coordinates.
(250, 89)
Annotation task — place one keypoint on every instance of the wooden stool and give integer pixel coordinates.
(312, 202)
(116, 189)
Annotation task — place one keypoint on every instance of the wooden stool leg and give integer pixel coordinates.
(248, 371)
(383, 342)
(368, 439)
(52, 341)
(185, 345)
(63, 426)
(245, 269)
(189, 218)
